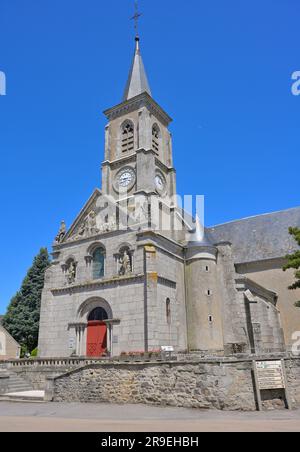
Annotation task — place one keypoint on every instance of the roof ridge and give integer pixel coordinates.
(254, 216)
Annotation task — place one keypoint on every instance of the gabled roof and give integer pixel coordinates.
(9, 335)
(85, 210)
(137, 81)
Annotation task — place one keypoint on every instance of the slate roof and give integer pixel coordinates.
(259, 238)
(137, 81)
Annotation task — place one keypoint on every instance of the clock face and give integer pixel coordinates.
(160, 182)
(125, 179)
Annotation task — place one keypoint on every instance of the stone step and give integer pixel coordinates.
(14, 378)
(24, 396)
(20, 384)
(19, 388)
(13, 383)
(17, 383)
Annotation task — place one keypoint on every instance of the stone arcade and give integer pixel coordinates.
(113, 289)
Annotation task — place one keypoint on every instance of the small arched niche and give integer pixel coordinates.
(124, 259)
(70, 269)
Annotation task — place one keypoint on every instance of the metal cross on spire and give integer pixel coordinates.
(136, 17)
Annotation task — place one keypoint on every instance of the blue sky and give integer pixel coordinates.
(221, 69)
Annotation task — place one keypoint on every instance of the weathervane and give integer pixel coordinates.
(136, 17)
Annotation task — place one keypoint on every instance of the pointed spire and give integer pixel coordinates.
(137, 81)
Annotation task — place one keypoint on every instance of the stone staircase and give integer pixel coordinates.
(17, 389)
(18, 384)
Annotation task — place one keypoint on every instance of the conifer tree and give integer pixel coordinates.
(294, 261)
(23, 314)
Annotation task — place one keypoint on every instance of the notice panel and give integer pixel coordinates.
(270, 375)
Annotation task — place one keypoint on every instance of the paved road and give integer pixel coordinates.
(75, 417)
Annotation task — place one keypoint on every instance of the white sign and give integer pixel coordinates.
(168, 349)
(270, 375)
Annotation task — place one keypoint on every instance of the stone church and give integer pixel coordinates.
(135, 272)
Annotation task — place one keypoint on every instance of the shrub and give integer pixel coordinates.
(34, 353)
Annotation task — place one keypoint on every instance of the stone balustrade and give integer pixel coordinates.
(50, 362)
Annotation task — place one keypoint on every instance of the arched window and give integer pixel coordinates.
(98, 263)
(97, 315)
(155, 138)
(168, 310)
(127, 137)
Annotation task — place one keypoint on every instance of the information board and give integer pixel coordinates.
(270, 375)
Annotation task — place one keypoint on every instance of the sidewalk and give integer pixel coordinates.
(138, 418)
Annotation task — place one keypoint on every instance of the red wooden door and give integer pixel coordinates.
(96, 339)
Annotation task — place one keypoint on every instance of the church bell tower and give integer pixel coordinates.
(138, 144)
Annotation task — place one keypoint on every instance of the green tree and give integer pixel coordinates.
(294, 261)
(23, 313)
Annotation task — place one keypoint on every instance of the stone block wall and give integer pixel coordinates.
(202, 385)
(216, 384)
(293, 378)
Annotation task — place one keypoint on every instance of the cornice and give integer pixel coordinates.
(120, 162)
(117, 281)
(93, 238)
(142, 100)
(243, 283)
(92, 285)
(162, 166)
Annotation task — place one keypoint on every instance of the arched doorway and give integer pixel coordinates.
(97, 333)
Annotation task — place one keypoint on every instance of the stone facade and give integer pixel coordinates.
(218, 384)
(268, 273)
(259, 246)
(9, 348)
(160, 280)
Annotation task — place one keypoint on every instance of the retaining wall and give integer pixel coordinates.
(223, 385)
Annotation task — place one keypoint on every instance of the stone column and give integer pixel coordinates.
(110, 324)
(150, 298)
(145, 165)
(77, 341)
(144, 130)
(107, 142)
(109, 339)
(82, 340)
(105, 178)
(49, 389)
